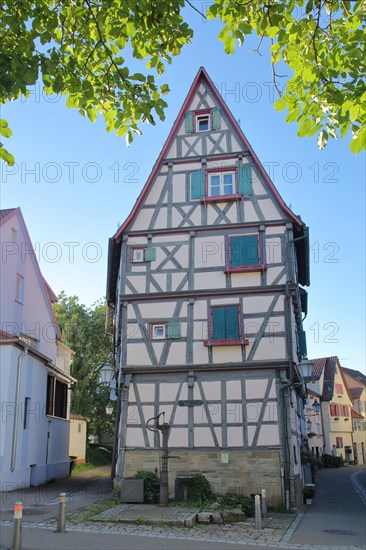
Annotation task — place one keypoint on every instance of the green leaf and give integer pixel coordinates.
(322, 139)
(92, 114)
(229, 45)
(6, 156)
(359, 142)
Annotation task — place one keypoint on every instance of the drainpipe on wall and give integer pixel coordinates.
(16, 400)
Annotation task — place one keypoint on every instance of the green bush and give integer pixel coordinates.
(98, 455)
(200, 489)
(232, 500)
(151, 486)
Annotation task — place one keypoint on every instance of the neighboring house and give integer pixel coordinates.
(35, 367)
(78, 427)
(314, 424)
(336, 406)
(205, 300)
(356, 382)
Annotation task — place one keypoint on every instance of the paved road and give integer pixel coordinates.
(338, 515)
(41, 503)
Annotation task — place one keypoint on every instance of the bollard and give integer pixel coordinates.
(264, 504)
(17, 526)
(258, 515)
(61, 514)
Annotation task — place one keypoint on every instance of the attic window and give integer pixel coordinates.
(203, 122)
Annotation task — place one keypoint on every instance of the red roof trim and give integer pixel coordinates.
(202, 74)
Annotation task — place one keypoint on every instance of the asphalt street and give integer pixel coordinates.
(337, 519)
(338, 513)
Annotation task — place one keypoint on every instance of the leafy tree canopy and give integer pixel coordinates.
(83, 330)
(79, 49)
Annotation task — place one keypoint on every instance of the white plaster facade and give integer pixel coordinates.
(35, 367)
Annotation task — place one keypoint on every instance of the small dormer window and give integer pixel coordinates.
(203, 123)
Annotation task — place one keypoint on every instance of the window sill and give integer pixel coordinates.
(222, 198)
(221, 343)
(245, 269)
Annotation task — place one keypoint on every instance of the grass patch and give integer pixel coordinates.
(87, 513)
(96, 455)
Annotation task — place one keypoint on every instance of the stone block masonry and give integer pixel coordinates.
(246, 473)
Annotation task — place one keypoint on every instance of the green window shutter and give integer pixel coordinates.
(225, 323)
(216, 119)
(244, 251)
(173, 330)
(245, 185)
(301, 343)
(231, 323)
(197, 185)
(218, 323)
(188, 121)
(150, 254)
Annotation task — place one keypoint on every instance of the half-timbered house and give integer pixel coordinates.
(204, 294)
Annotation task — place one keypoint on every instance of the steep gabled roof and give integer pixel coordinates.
(328, 366)
(4, 213)
(300, 229)
(355, 414)
(319, 366)
(49, 295)
(356, 392)
(356, 375)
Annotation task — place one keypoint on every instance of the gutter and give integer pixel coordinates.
(16, 400)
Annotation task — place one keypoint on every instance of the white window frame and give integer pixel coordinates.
(19, 289)
(137, 255)
(158, 326)
(199, 118)
(222, 184)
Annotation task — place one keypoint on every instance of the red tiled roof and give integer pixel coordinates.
(356, 374)
(5, 212)
(355, 414)
(356, 392)
(319, 365)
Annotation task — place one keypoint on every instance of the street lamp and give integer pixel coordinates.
(109, 408)
(308, 425)
(316, 406)
(306, 369)
(105, 375)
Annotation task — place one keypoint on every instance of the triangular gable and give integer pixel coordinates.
(300, 229)
(328, 368)
(202, 74)
(46, 290)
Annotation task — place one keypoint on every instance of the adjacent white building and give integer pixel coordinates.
(34, 367)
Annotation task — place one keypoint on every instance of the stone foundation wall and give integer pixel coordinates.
(246, 473)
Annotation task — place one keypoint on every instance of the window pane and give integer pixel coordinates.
(202, 123)
(215, 186)
(159, 331)
(228, 184)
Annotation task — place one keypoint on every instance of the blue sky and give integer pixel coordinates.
(75, 184)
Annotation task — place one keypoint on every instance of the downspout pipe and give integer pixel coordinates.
(17, 402)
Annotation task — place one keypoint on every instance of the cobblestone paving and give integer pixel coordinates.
(239, 533)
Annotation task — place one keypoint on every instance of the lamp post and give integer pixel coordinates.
(109, 408)
(306, 369)
(105, 375)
